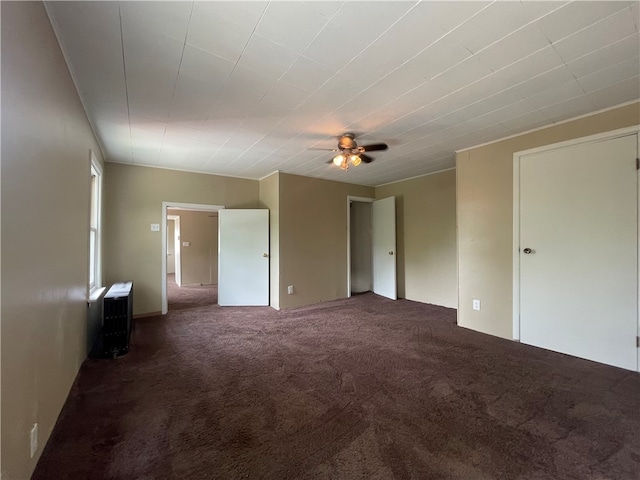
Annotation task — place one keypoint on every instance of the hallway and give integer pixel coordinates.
(190, 296)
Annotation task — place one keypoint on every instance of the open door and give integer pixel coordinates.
(243, 257)
(384, 247)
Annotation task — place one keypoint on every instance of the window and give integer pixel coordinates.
(95, 257)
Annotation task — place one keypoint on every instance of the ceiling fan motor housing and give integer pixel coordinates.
(347, 142)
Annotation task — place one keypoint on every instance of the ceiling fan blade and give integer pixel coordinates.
(324, 149)
(366, 158)
(374, 147)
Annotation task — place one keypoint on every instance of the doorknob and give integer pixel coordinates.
(265, 255)
(390, 253)
(527, 251)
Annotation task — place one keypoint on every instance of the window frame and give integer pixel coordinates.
(95, 225)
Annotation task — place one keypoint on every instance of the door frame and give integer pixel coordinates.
(351, 198)
(622, 132)
(163, 232)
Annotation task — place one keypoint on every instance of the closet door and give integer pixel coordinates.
(579, 250)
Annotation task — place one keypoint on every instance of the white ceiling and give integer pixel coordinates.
(244, 88)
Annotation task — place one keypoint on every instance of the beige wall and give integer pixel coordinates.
(46, 140)
(426, 237)
(313, 238)
(133, 200)
(200, 259)
(270, 198)
(485, 216)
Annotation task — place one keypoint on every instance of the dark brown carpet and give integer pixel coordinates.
(363, 388)
(190, 296)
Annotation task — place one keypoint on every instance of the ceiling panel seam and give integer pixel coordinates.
(81, 95)
(175, 83)
(301, 54)
(126, 86)
(567, 120)
(344, 67)
(339, 71)
(376, 85)
(235, 65)
(221, 94)
(413, 57)
(456, 65)
(499, 70)
(534, 21)
(553, 45)
(318, 88)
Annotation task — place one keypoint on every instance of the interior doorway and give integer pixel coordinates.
(173, 248)
(195, 246)
(371, 246)
(192, 258)
(360, 247)
(194, 255)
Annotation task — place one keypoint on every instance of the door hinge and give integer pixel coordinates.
(637, 342)
(637, 163)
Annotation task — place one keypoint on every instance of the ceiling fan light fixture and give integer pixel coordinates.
(350, 153)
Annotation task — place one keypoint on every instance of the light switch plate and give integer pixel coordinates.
(155, 227)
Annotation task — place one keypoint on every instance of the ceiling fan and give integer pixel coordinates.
(351, 153)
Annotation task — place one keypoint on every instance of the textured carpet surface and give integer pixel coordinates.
(363, 388)
(190, 296)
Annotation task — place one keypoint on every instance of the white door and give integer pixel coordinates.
(579, 280)
(384, 247)
(243, 257)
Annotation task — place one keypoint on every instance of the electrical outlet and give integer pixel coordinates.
(34, 439)
(476, 304)
(290, 290)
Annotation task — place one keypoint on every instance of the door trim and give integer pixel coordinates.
(163, 232)
(623, 132)
(351, 198)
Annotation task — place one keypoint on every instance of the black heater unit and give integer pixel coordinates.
(116, 320)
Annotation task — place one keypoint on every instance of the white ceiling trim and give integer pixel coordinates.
(189, 171)
(573, 119)
(417, 176)
(56, 32)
